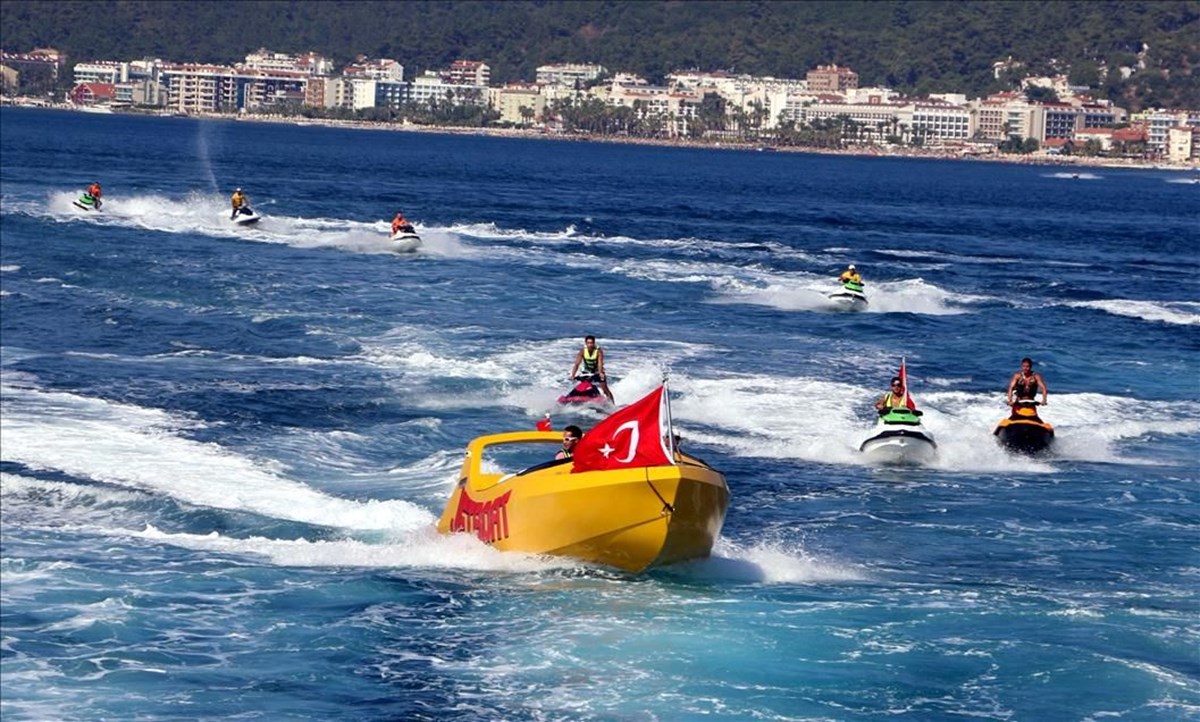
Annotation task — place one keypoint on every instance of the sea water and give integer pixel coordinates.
(224, 450)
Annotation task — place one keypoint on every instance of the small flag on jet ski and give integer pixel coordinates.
(635, 436)
(544, 424)
(908, 399)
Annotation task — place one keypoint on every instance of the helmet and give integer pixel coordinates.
(850, 267)
(237, 190)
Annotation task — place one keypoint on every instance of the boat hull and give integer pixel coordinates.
(405, 242)
(631, 519)
(246, 218)
(845, 300)
(1025, 436)
(900, 447)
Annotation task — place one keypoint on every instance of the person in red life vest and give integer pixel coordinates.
(94, 191)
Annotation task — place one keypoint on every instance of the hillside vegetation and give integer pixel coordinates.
(910, 45)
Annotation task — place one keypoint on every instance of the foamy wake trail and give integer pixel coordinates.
(140, 448)
(1183, 313)
(208, 214)
(820, 421)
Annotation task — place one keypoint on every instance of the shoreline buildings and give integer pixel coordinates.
(688, 104)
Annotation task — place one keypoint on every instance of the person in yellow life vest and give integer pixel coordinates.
(238, 201)
(591, 358)
(94, 191)
(400, 223)
(893, 399)
(850, 275)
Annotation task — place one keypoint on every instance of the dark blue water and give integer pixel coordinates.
(224, 449)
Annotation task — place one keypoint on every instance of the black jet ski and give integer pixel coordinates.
(1024, 431)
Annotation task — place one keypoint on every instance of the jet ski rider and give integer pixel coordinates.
(591, 357)
(238, 200)
(1026, 383)
(850, 276)
(400, 223)
(894, 399)
(94, 192)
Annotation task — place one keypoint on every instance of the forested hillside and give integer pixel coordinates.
(910, 45)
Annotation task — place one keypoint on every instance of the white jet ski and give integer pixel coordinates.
(405, 240)
(246, 216)
(899, 438)
(850, 297)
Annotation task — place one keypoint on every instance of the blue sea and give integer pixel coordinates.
(224, 450)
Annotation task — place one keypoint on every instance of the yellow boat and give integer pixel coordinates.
(631, 519)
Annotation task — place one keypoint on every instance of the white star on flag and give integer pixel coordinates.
(606, 450)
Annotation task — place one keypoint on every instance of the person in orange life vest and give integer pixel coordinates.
(591, 357)
(571, 436)
(1026, 383)
(95, 192)
(400, 223)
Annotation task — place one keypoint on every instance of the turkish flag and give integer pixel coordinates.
(908, 399)
(635, 436)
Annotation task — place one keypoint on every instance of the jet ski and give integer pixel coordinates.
(1024, 431)
(850, 297)
(405, 239)
(87, 202)
(585, 392)
(899, 438)
(246, 216)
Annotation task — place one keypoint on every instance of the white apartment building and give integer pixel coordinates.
(1160, 122)
(429, 88)
(200, 88)
(380, 69)
(570, 75)
(309, 63)
(101, 71)
(468, 72)
(1183, 144)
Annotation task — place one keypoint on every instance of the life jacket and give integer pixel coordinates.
(1026, 388)
(238, 200)
(94, 190)
(591, 364)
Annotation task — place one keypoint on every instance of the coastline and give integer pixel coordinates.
(1038, 158)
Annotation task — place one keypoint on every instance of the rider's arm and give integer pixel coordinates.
(600, 363)
(880, 402)
(1012, 384)
(1045, 391)
(575, 366)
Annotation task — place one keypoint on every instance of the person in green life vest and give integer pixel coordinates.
(850, 278)
(591, 358)
(893, 399)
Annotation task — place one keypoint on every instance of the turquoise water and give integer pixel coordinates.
(223, 450)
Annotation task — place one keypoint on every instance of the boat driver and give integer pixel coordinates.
(571, 436)
(1026, 383)
(238, 200)
(94, 191)
(591, 357)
